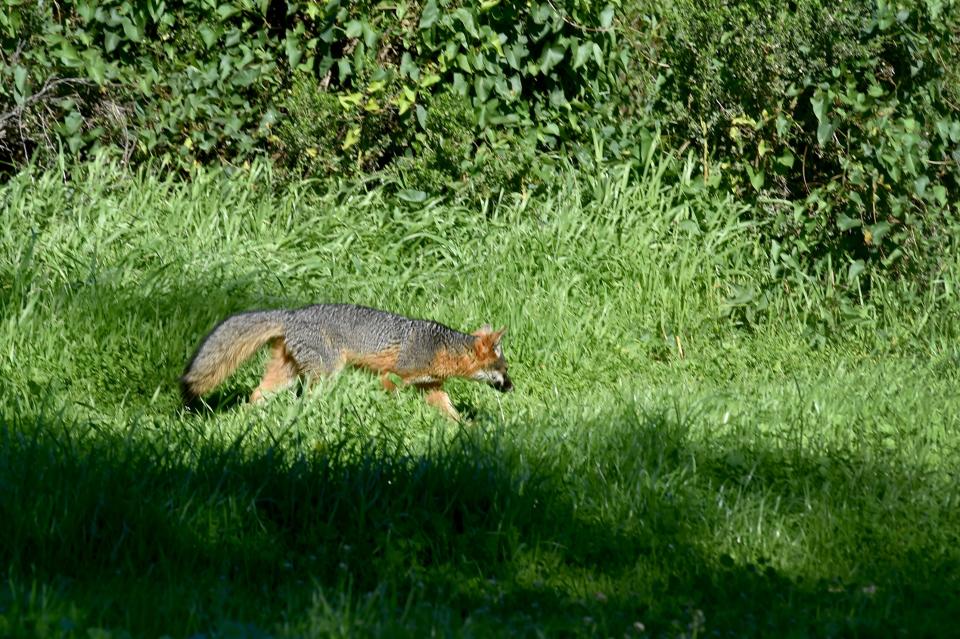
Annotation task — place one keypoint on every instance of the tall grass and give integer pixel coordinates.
(662, 469)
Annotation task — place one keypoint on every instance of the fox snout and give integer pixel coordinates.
(503, 385)
(499, 380)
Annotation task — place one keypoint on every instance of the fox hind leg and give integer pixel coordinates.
(282, 371)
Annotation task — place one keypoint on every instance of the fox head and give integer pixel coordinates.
(491, 366)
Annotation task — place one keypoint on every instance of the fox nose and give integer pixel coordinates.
(504, 386)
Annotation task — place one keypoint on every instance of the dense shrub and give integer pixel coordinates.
(350, 85)
(841, 120)
(184, 82)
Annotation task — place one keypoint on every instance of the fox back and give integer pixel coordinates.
(320, 335)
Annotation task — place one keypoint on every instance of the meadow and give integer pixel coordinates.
(664, 467)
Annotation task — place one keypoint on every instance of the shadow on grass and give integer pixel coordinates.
(176, 532)
(218, 401)
(139, 341)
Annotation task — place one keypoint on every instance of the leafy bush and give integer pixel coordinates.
(128, 76)
(839, 120)
(310, 137)
(202, 80)
(437, 91)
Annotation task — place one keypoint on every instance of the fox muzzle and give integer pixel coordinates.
(504, 385)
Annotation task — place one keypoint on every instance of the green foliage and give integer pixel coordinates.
(202, 80)
(443, 156)
(438, 92)
(446, 156)
(837, 123)
(319, 135)
(838, 120)
(126, 76)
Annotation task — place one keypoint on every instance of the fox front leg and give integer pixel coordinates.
(388, 384)
(438, 398)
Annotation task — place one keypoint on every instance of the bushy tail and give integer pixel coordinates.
(226, 347)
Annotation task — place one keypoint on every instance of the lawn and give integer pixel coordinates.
(663, 467)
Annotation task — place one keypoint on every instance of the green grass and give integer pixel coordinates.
(658, 470)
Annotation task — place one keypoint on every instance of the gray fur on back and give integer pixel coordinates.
(317, 335)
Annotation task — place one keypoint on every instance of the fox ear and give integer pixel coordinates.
(482, 345)
(496, 337)
(486, 329)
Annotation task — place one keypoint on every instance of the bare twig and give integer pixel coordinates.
(47, 87)
(803, 168)
(325, 82)
(23, 138)
(573, 24)
(15, 57)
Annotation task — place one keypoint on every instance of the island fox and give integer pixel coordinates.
(324, 338)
